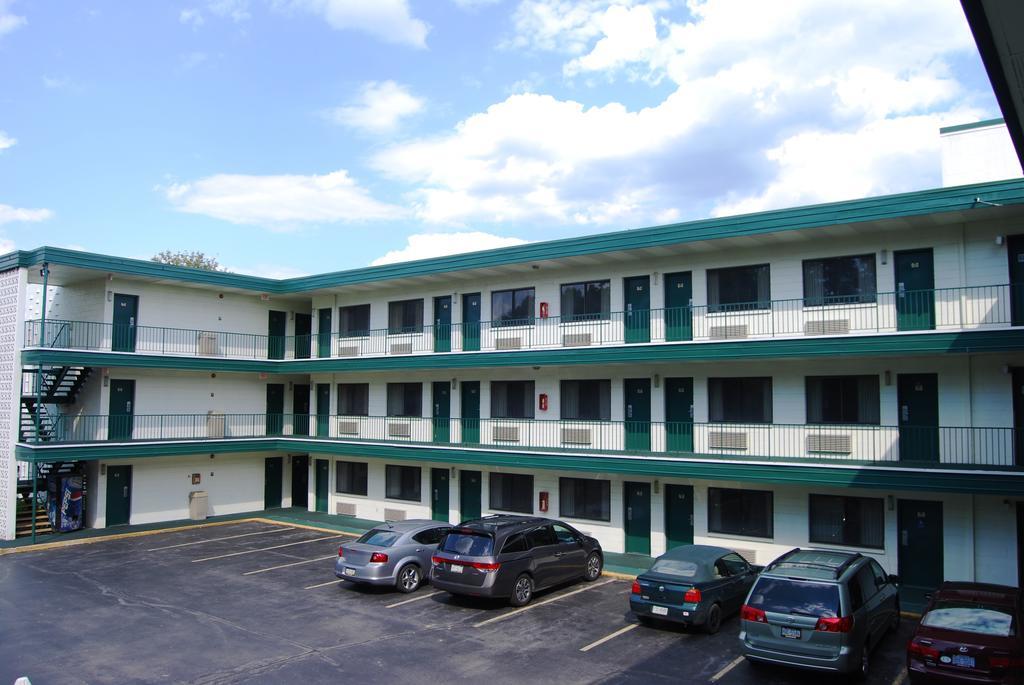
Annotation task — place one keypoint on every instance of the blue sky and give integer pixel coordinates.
(301, 136)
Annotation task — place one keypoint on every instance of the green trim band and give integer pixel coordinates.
(967, 127)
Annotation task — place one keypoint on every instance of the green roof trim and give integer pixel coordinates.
(967, 127)
(918, 203)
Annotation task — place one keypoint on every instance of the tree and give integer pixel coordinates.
(194, 260)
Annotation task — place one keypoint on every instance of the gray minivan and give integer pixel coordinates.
(819, 609)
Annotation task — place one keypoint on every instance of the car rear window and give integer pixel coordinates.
(971, 618)
(788, 596)
(675, 567)
(469, 544)
(380, 538)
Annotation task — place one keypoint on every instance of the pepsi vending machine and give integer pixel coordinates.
(64, 502)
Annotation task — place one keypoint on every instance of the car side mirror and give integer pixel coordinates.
(894, 579)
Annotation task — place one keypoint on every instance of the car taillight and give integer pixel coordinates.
(923, 651)
(692, 596)
(378, 558)
(341, 552)
(488, 566)
(436, 560)
(636, 587)
(1005, 662)
(835, 625)
(749, 613)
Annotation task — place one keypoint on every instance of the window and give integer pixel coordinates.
(740, 400)
(866, 580)
(541, 537)
(405, 399)
(839, 280)
(791, 596)
(512, 307)
(470, 544)
(739, 288)
(582, 498)
(405, 317)
(564, 534)
(586, 400)
(354, 321)
(511, 492)
(972, 617)
(851, 521)
(402, 482)
(589, 301)
(354, 399)
(350, 477)
(842, 399)
(431, 536)
(512, 399)
(516, 543)
(379, 538)
(734, 564)
(741, 512)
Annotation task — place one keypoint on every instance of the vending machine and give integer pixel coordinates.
(64, 502)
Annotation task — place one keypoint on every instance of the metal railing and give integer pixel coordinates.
(862, 444)
(943, 309)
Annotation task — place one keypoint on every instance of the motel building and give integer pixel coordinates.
(848, 375)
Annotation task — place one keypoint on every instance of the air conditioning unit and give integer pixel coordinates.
(576, 340)
(348, 428)
(728, 332)
(206, 343)
(575, 436)
(727, 440)
(345, 508)
(831, 444)
(827, 327)
(401, 348)
(215, 427)
(394, 514)
(506, 434)
(748, 554)
(348, 350)
(399, 430)
(508, 343)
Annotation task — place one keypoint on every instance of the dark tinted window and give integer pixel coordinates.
(589, 400)
(405, 316)
(675, 567)
(405, 399)
(402, 482)
(739, 288)
(971, 617)
(881, 578)
(866, 579)
(431, 536)
(353, 399)
(735, 564)
(839, 280)
(511, 492)
(512, 307)
(741, 512)
(842, 399)
(512, 399)
(350, 477)
(380, 538)
(516, 543)
(786, 596)
(563, 533)
(354, 321)
(468, 544)
(583, 498)
(540, 537)
(856, 594)
(851, 521)
(590, 301)
(740, 400)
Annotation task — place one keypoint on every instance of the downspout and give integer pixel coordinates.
(39, 398)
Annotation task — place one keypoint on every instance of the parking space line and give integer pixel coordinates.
(510, 614)
(267, 549)
(901, 677)
(414, 599)
(329, 582)
(721, 674)
(229, 537)
(294, 563)
(620, 631)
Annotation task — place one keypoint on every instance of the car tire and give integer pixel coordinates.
(861, 673)
(714, 620)
(522, 591)
(409, 578)
(595, 564)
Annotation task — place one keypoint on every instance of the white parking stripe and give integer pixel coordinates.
(230, 537)
(267, 549)
(510, 614)
(614, 635)
(294, 563)
(329, 582)
(414, 599)
(721, 674)
(901, 677)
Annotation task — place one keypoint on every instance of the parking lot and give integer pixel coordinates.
(256, 602)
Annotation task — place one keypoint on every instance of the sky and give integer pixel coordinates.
(288, 137)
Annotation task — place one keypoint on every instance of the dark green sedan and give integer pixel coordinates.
(696, 585)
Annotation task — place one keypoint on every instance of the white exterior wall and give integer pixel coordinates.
(977, 155)
(13, 286)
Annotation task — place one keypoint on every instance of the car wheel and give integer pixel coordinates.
(865, 663)
(714, 620)
(409, 578)
(594, 567)
(522, 591)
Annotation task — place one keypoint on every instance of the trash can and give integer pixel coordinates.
(197, 505)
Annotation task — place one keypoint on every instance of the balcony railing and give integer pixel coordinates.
(943, 309)
(861, 444)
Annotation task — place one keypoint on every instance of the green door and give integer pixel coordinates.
(300, 410)
(323, 476)
(121, 417)
(637, 394)
(679, 414)
(275, 408)
(300, 481)
(443, 324)
(915, 290)
(637, 500)
(119, 495)
(469, 494)
(920, 556)
(678, 515)
(471, 322)
(442, 399)
(917, 395)
(272, 469)
(439, 494)
(277, 323)
(637, 300)
(323, 409)
(679, 306)
(323, 333)
(469, 400)
(303, 335)
(126, 312)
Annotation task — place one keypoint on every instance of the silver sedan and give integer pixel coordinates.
(396, 554)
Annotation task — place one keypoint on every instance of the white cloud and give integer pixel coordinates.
(426, 245)
(9, 21)
(55, 82)
(7, 141)
(630, 35)
(235, 10)
(6, 245)
(281, 202)
(9, 214)
(378, 108)
(192, 60)
(190, 16)
(475, 4)
(268, 271)
(389, 20)
(563, 25)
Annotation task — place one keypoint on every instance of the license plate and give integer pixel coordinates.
(659, 611)
(963, 661)
(456, 568)
(350, 572)
(791, 633)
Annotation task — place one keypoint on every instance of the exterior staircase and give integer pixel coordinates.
(59, 385)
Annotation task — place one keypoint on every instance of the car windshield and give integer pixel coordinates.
(468, 544)
(969, 617)
(675, 567)
(788, 596)
(379, 538)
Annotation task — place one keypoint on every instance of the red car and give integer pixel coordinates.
(970, 633)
